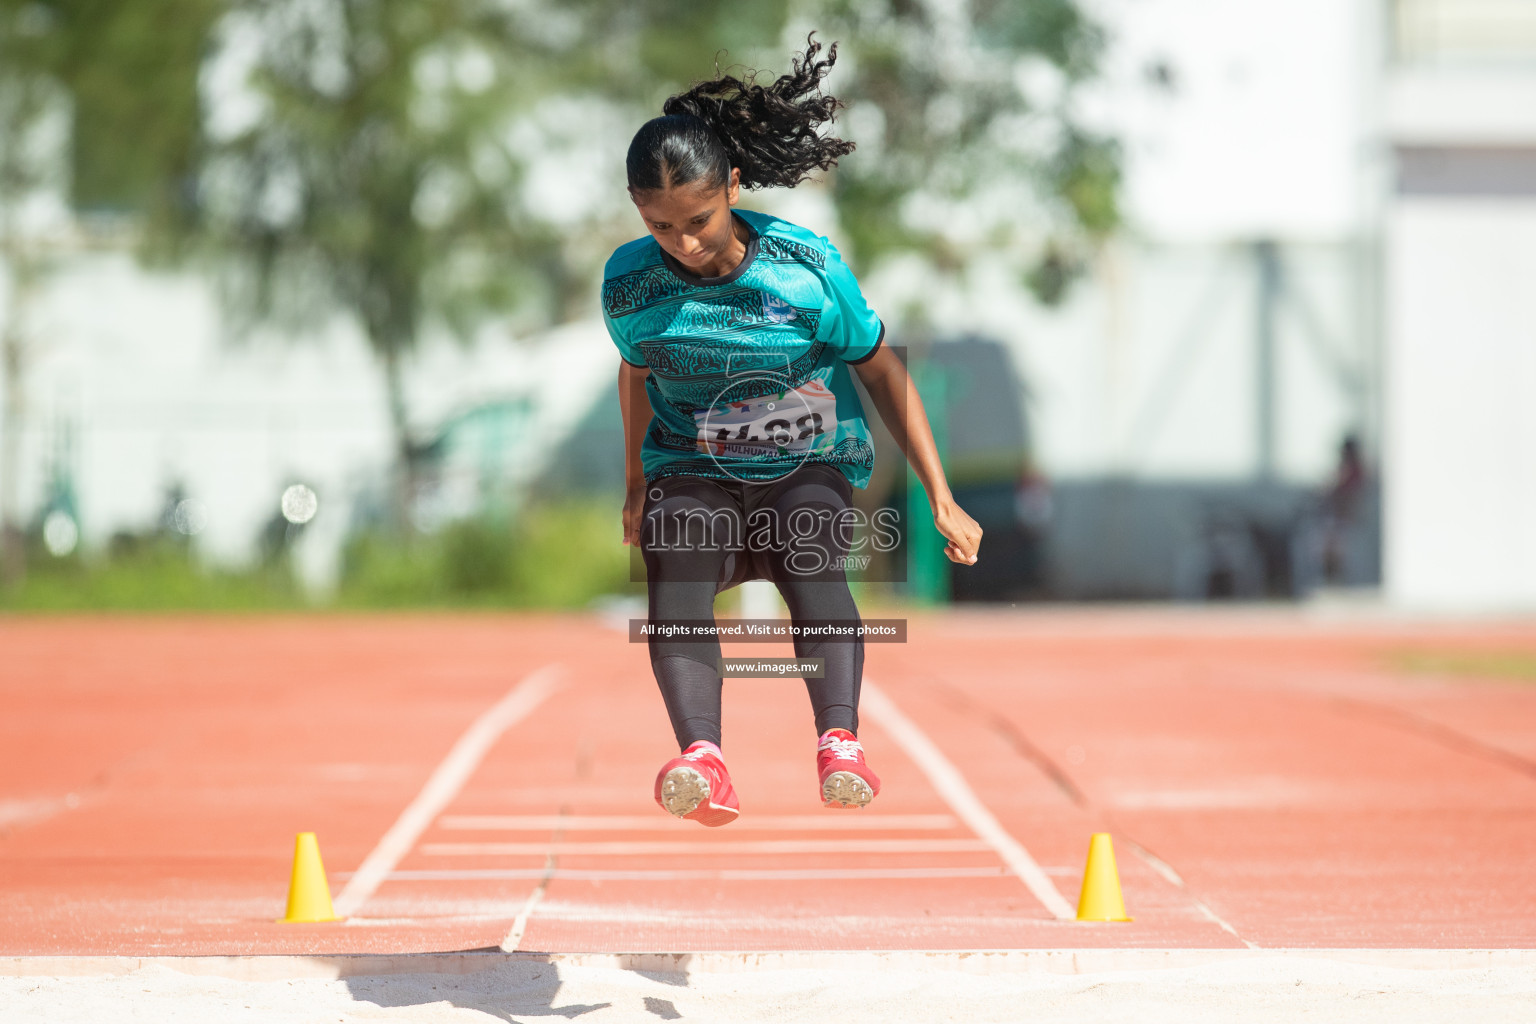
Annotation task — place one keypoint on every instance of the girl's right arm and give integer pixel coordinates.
(635, 409)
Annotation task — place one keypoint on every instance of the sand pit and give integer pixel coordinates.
(1183, 986)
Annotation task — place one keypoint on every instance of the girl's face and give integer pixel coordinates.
(693, 226)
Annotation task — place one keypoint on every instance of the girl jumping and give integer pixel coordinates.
(743, 433)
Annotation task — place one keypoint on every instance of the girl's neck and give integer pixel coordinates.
(732, 257)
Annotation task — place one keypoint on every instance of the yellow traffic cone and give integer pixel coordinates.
(309, 898)
(1101, 899)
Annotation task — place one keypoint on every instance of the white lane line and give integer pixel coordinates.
(665, 823)
(444, 785)
(722, 874)
(636, 848)
(946, 778)
(514, 936)
(1165, 869)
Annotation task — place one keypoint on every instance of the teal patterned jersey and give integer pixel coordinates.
(749, 371)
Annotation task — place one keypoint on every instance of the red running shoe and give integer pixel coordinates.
(696, 785)
(846, 780)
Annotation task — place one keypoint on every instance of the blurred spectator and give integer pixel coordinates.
(1341, 509)
(1331, 542)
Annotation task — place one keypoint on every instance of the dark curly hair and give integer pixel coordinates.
(768, 133)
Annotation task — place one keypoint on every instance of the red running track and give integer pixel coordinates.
(1268, 779)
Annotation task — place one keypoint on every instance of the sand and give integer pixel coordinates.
(1147, 986)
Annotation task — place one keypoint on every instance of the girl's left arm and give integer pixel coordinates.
(895, 397)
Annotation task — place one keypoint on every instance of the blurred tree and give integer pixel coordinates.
(98, 108)
(361, 156)
(373, 156)
(970, 146)
(32, 104)
(132, 68)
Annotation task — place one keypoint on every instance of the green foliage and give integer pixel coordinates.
(377, 174)
(127, 72)
(1086, 173)
(1495, 664)
(153, 574)
(477, 558)
(678, 43)
(132, 67)
(29, 61)
(1049, 279)
(974, 109)
(553, 556)
(1057, 30)
(938, 103)
(375, 162)
(32, 100)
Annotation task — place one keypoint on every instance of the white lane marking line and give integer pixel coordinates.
(636, 848)
(444, 785)
(514, 934)
(16, 814)
(951, 785)
(723, 874)
(1165, 869)
(424, 921)
(665, 823)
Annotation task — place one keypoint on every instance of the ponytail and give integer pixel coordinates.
(768, 133)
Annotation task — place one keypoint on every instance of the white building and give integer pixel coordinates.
(1460, 247)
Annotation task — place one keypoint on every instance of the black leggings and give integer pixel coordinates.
(700, 537)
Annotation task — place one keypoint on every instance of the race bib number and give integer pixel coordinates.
(797, 420)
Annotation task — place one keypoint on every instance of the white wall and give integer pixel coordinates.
(1460, 487)
(1149, 368)
(1460, 307)
(141, 370)
(1259, 133)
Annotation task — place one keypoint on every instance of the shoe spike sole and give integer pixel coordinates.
(683, 790)
(845, 789)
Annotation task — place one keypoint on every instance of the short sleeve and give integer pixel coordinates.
(628, 350)
(855, 331)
